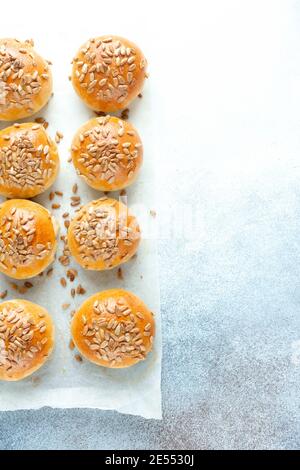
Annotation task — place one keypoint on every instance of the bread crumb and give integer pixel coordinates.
(71, 344)
(78, 358)
(152, 213)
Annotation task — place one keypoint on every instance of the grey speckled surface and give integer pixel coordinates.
(230, 296)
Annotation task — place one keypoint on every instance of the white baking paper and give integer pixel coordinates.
(64, 382)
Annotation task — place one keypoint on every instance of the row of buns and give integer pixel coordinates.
(107, 153)
(108, 73)
(113, 328)
(102, 235)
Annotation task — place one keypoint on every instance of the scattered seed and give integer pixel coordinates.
(72, 274)
(39, 120)
(80, 290)
(22, 290)
(28, 284)
(49, 272)
(125, 114)
(120, 274)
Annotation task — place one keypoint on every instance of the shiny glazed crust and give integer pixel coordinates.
(26, 223)
(26, 338)
(108, 153)
(108, 73)
(91, 241)
(29, 161)
(112, 338)
(26, 86)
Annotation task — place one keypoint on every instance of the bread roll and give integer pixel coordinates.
(113, 328)
(107, 152)
(103, 234)
(25, 80)
(108, 73)
(29, 161)
(26, 338)
(27, 238)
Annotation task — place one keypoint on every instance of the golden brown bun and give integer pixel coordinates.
(27, 238)
(107, 152)
(113, 328)
(29, 161)
(108, 73)
(25, 80)
(26, 338)
(103, 235)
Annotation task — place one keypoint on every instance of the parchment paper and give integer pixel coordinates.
(64, 382)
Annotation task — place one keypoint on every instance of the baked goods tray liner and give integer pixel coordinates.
(65, 381)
